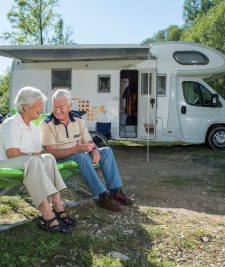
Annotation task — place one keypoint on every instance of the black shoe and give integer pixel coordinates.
(58, 228)
(65, 219)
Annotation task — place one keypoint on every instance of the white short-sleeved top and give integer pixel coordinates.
(14, 133)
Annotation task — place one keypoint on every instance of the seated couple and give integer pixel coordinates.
(65, 136)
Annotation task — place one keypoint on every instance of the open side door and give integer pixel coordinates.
(147, 104)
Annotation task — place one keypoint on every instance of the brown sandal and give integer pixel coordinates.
(66, 219)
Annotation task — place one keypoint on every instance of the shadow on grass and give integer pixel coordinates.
(133, 231)
(99, 232)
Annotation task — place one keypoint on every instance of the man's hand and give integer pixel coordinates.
(95, 156)
(84, 147)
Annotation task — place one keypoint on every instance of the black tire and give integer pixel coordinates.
(216, 138)
(99, 139)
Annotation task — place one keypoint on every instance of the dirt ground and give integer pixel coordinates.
(175, 177)
(179, 206)
(149, 182)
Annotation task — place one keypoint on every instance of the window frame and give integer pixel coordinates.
(70, 78)
(104, 76)
(161, 94)
(200, 90)
(190, 52)
(150, 83)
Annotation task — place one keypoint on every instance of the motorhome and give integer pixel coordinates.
(151, 92)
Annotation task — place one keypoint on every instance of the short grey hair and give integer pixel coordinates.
(28, 95)
(61, 93)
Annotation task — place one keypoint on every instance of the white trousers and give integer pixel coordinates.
(41, 175)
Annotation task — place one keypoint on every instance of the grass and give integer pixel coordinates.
(86, 245)
(39, 247)
(149, 236)
(11, 204)
(146, 143)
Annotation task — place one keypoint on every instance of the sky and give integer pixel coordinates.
(108, 21)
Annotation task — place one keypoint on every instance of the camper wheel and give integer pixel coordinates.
(216, 138)
(99, 139)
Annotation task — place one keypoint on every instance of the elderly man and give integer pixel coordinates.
(65, 136)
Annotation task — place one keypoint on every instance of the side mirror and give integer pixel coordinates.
(215, 100)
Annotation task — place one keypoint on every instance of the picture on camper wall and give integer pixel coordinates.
(93, 112)
(103, 83)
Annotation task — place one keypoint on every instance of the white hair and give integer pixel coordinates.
(60, 93)
(28, 95)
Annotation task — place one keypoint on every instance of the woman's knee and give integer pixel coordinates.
(34, 160)
(49, 158)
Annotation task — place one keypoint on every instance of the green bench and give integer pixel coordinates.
(10, 177)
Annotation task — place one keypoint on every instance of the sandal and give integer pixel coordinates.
(46, 225)
(65, 219)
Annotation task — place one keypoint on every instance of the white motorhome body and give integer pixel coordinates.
(154, 92)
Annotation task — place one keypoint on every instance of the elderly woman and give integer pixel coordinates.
(20, 147)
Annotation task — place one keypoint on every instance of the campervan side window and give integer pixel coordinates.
(196, 94)
(190, 58)
(61, 78)
(161, 85)
(104, 83)
(146, 85)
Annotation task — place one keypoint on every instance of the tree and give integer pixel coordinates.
(4, 95)
(194, 8)
(208, 29)
(62, 34)
(35, 22)
(171, 33)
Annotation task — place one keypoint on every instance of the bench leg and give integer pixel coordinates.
(4, 227)
(6, 190)
(77, 203)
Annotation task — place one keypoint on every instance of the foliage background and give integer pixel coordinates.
(36, 22)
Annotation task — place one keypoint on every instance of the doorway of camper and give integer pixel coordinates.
(128, 103)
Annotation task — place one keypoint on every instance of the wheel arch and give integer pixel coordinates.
(211, 127)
